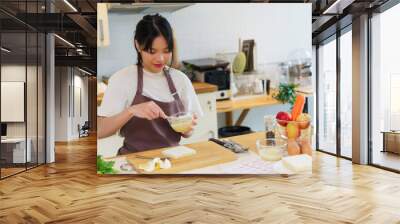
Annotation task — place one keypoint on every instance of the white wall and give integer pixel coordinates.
(80, 83)
(61, 103)
(314, 99)
(67, 120)
(206, 29)
(202, 30)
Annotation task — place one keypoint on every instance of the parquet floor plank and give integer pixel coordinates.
(70, 191)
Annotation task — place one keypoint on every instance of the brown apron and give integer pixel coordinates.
(142, 134)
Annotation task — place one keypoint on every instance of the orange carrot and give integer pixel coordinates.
(298, 106)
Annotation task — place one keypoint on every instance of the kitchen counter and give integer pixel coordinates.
(241, 163)
(202, 87)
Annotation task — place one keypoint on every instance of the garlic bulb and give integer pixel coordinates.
(166, 164)
(155, 164)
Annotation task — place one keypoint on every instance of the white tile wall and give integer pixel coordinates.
(65, 123)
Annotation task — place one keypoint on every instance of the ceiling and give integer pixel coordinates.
(76, 22)
(329, 16)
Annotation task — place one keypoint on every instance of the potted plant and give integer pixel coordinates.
(286, 93)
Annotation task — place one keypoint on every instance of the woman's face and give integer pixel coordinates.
(157, 57)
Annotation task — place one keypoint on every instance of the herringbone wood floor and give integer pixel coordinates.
(69, 191)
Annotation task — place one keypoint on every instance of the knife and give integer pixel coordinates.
(231, 145)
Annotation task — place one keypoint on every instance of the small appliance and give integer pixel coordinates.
(213, 71)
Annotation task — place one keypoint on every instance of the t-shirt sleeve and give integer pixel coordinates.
(189, 98)
(114, 99)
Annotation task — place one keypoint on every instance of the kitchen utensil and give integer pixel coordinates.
(213, 71)
(231, 145)
(271, 149)
(181, 122)
(149, 157)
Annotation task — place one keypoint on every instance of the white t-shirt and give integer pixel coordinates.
(122, 86)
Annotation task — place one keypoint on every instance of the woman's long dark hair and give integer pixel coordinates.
(150, 27)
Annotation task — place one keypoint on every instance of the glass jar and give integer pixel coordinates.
(270, 126)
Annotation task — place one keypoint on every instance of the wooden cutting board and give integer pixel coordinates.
(207, 154)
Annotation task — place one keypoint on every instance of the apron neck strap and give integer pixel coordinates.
(171, 85)
(140, 79)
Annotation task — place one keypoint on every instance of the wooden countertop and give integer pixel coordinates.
(207, 154)
(210, 158)
(246, 103)
(202, 87)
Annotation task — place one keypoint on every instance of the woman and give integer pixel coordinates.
(140, 97)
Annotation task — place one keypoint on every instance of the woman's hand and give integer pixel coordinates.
(190, 131)
(148, 110)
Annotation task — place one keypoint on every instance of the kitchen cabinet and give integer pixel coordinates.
(207, 125)
(103, 28)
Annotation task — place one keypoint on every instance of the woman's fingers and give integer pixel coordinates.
(157, 112)
(194, 120)
(162, 114)
(147, 110)
(149, 114)
(150, 111)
